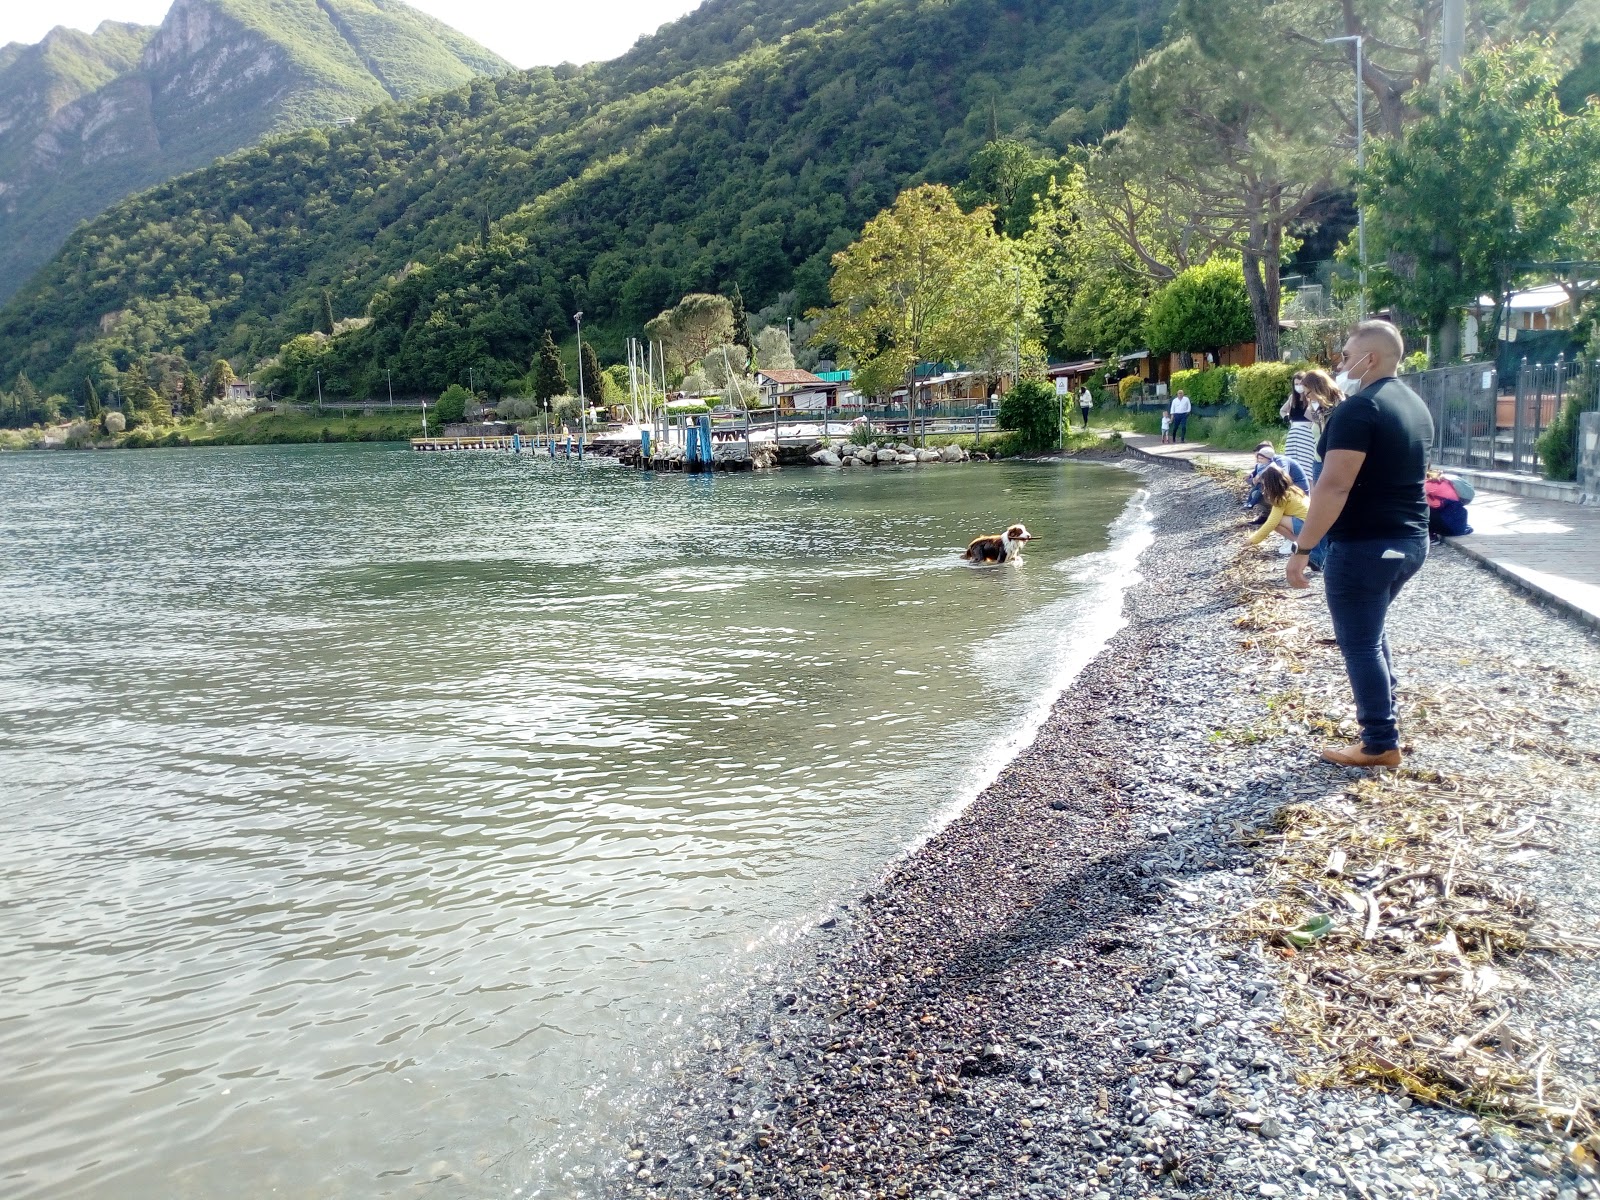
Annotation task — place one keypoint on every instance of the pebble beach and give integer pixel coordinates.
(1069, 991)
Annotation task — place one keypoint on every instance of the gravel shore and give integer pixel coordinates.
(1051, 996)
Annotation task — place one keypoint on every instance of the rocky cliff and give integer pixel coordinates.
(86, 119)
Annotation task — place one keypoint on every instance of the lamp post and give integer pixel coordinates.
(389, 379)
(1361, 157)
(583, 403)
(319, 391)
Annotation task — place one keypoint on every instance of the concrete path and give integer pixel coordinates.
(1546, 547)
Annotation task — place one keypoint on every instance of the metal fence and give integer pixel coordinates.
(1481, 421)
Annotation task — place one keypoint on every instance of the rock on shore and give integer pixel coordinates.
(1043, 1000)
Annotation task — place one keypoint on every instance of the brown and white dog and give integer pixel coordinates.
(998, 547)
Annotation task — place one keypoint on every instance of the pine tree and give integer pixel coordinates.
(92, 408)
(483, 230)
(549, 373)
(193, 393)
(741, 322)
(218, 379)
(327, 312)
(594, 387)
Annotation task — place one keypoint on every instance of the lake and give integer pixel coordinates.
(373, 821)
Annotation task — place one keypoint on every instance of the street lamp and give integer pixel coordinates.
(583, 403)
(1361, 157)
(319, 390)
(388, 378)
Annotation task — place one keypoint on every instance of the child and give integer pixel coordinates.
(1289, 506)
(1166, 428)
(1447, 507)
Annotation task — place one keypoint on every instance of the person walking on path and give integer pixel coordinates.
(1371, 506)
(1180, 416)
(1086, 404)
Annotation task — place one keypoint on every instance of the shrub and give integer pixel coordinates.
(1206, 387)
(114, 422)
(1416, 361)
(227, 410)
(863, 435)
(1126, 386)
(452, 404)
(1263, 388)
(1558, 444)
(1034, 411)
(1204, 308)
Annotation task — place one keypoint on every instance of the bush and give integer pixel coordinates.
(114, 423)
(1207, 387)
(1263, 388)
(452, 405)
(1126, 386)
(1558, 444)
(1204, 308)
(1416, 361)
(1034, 411)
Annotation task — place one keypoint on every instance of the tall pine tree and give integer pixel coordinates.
(92, 408)
(741, 322)
(549, 372)
(327, 312)
(594, 387)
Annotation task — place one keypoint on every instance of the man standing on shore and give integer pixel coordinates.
(1370, 504)
(1180, 416)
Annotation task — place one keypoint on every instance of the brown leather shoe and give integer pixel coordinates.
(1360, 756)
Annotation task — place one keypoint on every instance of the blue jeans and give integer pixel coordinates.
(1361, 583)
(1180, 426)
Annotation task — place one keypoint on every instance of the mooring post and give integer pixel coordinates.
(644, 448)
(705, 438)
(691, 446)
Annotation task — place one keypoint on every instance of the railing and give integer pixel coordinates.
(1463, 401)
(1481, 421)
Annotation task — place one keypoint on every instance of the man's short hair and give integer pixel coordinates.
(1382, 332)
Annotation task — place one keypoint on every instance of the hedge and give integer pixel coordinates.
(1125, 385)
(1213, 385)
(1263, 388)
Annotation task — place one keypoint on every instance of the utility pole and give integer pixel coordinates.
(390, 380)
(1453, 44)
(583, 403)
(1361, 152)
(319, 390)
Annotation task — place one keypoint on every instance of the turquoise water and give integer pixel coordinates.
(371, 820)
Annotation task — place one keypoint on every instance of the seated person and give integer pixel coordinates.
(1447, 507)
(1289, 506)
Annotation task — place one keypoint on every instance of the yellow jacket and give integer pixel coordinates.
(1295, 504)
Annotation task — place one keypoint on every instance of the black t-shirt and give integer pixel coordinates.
(1390, 424)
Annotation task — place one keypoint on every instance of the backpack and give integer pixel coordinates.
(1464, 490)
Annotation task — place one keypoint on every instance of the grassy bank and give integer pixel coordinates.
(257, 429)
(1226, 432)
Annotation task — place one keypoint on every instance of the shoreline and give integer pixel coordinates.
(1050, 996)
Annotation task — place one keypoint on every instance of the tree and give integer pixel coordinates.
(92, 408)
(1236, 125)
(1007, 175)
(1492, 175)
(192, 392)
(772, 350)
(327, 312)
(452, 404)
(741, 321)
(217, 379)
(689, 329)
(549, 372)
(928, 281)
(1203, 309)
(594, 383)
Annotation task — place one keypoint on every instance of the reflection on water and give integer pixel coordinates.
(361, 810)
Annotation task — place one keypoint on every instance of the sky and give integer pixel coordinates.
(540, 32)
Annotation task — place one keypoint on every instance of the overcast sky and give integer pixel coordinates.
(526, 33)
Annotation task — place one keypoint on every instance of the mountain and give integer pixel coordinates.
(86, 119)
(742, 144)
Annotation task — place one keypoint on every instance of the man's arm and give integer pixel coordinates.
(1339, 471)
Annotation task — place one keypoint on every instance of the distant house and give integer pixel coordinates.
(796, 390)
(1535, 310)
(241, 389)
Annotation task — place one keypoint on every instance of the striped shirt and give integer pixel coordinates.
(1301, 445)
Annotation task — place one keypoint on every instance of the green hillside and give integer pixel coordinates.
(742, 144)
(88, 119)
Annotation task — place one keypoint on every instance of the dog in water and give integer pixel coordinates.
(998, 547)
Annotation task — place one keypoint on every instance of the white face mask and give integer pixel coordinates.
(1347, 383)
(1299, 389)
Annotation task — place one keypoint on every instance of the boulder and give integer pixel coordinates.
(886, 455)
(825, 458)
(950, 454)
(906, 459)
(905, 448)
(929, 456)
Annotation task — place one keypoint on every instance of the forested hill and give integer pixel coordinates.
(86, 119)
(742, 144)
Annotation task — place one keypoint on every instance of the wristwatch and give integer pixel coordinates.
(1294, 550)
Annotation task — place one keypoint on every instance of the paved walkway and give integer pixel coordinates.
(1546, 547)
